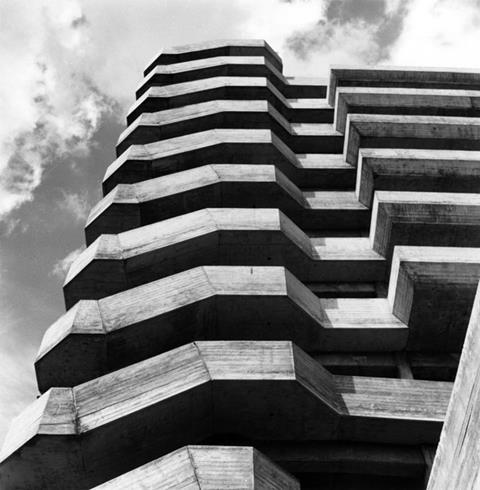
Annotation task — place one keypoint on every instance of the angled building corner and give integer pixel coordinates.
(276, 289)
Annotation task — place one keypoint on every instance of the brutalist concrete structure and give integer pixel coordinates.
(276, 290)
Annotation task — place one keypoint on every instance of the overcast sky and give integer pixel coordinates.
(69, 71)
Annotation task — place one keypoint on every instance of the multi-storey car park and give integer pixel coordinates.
(277, 287)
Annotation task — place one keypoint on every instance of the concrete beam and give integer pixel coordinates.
(212, 302)
(420, 132)
(231, 186)
(200, 467)
(456, 462)
(233, 66)
(432, 291)
(230, 88)
(402, 77)
(233, 114)
(217, 47)
(216, 236)
(263, 390)
(221, 146)
(403, 169)
(424, 218)
(404, 101)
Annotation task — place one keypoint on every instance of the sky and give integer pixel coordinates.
(69, 72)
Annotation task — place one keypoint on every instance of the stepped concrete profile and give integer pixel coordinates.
(278, 290)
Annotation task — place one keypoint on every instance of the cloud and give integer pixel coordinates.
(350, 32)
(75, 205)
(439, 33)
(51, 108)
(61, 267)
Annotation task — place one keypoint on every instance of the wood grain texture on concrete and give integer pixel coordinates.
(211, 302)
(236, 66)
(403, 77)
(207, 468)
(216, 236)
(420, 132)
(404, 169)
(432, 290)
(229, 146)
(437, 219)
(129, 206)
(266, 391)
(213, 48)
(404, 101)
(157, 99)
(457, 459)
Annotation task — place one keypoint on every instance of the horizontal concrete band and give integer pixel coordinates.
(233, 66)
(403, 169)
(262, 390)
(227, 146)
(437, 219)
(200, 467)
(217, 236)
(420, 132)
(129, 206)
(211, 302)
(404, 101)
(403, 77)
(232, 114)
(230, 88)
(218, 47)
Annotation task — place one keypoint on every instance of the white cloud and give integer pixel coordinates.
(439, 33)
(75, 205)
(61, 267)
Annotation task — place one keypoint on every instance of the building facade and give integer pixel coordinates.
(276, 290)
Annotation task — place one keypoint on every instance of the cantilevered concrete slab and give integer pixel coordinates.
(229, 88)
(432, 290)
(213, 302)
(404, 101)
(216, 236)
(213, 48)
(129, 206)
(233, 66)
(237, 146)
(404, 169)
(200, 467)
(403, 77)
(424, 218)
(420, 132)
(234, 114)
(268, 391)
(458, 455)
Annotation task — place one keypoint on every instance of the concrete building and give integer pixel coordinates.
(276, 290)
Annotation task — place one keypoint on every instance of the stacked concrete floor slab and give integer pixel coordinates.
(276, 289)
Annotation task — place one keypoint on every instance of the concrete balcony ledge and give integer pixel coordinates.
(268, 391)
(217, 236)
(214, 48)
(210, 302)
(404, 101)
(157, 99)
(230, 146)
(232, 186)
(394, 169)
(437, 219)
(434, 286)
(200, 467)
(402, 77)
(246, 66)
(419, 132)
(232, 114)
